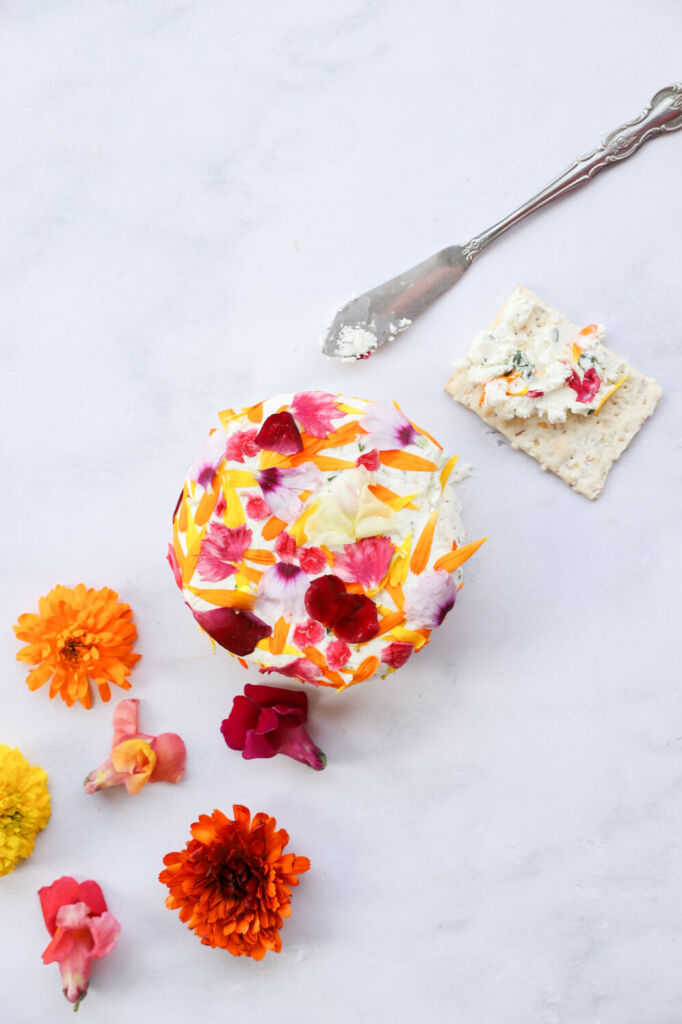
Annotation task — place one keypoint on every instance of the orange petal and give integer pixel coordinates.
(406, 460)
(453, 559)
(422, 550)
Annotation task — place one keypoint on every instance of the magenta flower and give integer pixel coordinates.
(211, 455)
(137, 758)
(235, 630)
(300, 668)
(337, 654)
(396, 654)
(256, 507)
(220, 549)
(280, 487)
(587, 388)
(242, 444)
(285, 547)
(315, 411)
(429, 597)
(82, 930)
(365, 562)
(281, 592)
(269, 720)
(387, 428)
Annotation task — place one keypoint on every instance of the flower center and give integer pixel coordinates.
(11, 815)
(75, 645)
(237, 879)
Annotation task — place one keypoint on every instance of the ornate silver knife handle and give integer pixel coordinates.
(663, 114)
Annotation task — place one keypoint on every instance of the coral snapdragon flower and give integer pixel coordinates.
(137, 758)
(80, 635)
(232, 882)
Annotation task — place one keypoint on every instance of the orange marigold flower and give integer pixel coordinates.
(231, 882)
(81, 635)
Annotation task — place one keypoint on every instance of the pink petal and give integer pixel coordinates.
(52, 897)
(337, 654)
(300, 669)
(429, 597)
(171, 756)
(222, 546)
(281, 592)
(75, 970)
(281, 486)
(365, 562)
(387, 428)
(73, 916)
(285, 547)
(240, 444)
(173, 562)
(309, 633)
(210, 457)
(396, 654)
(125, 720)
(312, 560)
(105, 931)
(315, 411)
(586, 388)
(256, 507)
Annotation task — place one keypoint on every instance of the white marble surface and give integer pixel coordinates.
(189, 190)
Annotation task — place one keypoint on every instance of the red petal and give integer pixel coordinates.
(271, 696)
(52, 897)
(90, 893)
(321, 598)
(280, 434)
(356, 619)
(236, 631)
(370, 460)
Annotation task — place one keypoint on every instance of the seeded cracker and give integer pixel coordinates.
(582, 449)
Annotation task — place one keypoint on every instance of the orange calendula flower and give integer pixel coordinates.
(232, 882)
(80, 636)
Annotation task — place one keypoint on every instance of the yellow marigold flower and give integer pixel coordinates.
(24, 807)
(80, 635)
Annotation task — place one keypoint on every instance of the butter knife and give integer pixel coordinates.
(367, 322)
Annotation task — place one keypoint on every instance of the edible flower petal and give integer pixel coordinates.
(221, 547)
(280, 487)
(269, 720)
(370, 460)
(82, 930)
(429, 597)
(356, 619)
(256, 507)
(587, 388)
(308, 633)
(396, 654)
(301, 668)
(282, 591)
(211, 455)
(387, 427)
(337, 654)
(235, 630)
(279, 433)
(242, 444)
(321, 598)
(312, 560)
(365, 562)
(315, 411)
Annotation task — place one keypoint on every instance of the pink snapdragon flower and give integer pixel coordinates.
(137, 758)
(82, 930)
